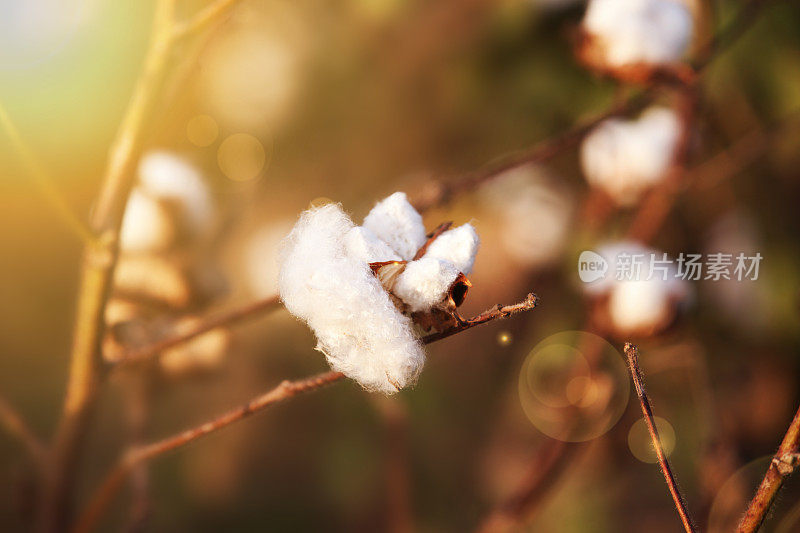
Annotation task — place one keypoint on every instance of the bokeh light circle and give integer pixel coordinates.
(202, 130)
(735, 494)
(242, 157)
(641, 444)
(505, 338)
(573, 386)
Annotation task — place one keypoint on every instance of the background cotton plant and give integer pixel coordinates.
(357, 287)
(171, 426)
(625, 158)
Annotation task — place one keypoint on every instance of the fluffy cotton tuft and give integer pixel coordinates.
(367, 247)
(459, 246)
(625, 158)
(395, 221)
(425, 283)
(147, 225)
(358, 328)
(639, 31)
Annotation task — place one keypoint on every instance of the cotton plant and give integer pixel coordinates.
(625, 158)
(368, 292)
(170, 219)
(628, 33)
(637, 301)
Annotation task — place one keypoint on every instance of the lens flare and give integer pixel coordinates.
(641, 444)
(504, 338)
(573, 386)
(242, 157)
(202, 130)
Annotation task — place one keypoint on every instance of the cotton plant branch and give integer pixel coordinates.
(106, 491)
(227, 318)
(99, 260)
(15, 425)
(632, 356)
(783, 464)
(42, 179)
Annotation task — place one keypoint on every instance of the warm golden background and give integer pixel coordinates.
(291, 101)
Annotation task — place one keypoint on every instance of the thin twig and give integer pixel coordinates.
(440, 193)
(227, 318)
(632, 355)
(783, 464)
(103, 496)
(97, 273)
(42, 179)
(16, 427)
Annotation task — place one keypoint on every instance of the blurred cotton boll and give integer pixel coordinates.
(625, 158)
(534, 215)
(261, 258)
(204, 352)
(628, 32)
(170, 199)
(641, 293)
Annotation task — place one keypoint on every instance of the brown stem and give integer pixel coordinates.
(226, 318)
(782, 466)
(103, 496)
(632, 355)
(443, 192)
(97, 272)
(16, 427)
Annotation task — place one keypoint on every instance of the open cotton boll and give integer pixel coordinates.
(358, 328)
(459, 246)
(395, 221)
(146, 225)
(639, 31)
(366, 246)
(625, 158)
(166, 176)
(425, 283)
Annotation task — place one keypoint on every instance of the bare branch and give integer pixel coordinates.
(16, 427)
(783, 464)
(227, 318)
(632, 355)
(103, 496)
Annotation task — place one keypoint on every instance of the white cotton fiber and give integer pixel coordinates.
(395, 221)
(424, 283)
(358, 328)
(639, 31)
(627, 157)
(363, 244)
(146, 225)
(458, 246)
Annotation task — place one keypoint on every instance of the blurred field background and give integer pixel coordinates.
(289, 102)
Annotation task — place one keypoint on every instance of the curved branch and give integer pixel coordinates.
(16, 427)
(105, 493)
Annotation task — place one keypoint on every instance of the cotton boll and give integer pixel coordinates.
(625, 158)
(534, 211)
(358, 328)
(261, 258)
(168, 177)
(366, 246)
(639, 31)
(639, 306)
(204, 352)
(154, 279)
(424, 283)
(458, 246)
(146, 225)
(395, 221)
